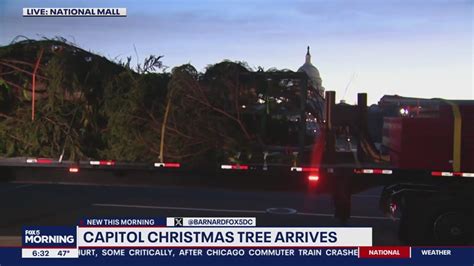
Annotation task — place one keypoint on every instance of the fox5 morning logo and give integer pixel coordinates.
(49, 236)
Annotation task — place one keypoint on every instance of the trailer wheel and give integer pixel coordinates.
(451, 228)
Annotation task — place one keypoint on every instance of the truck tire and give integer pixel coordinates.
(440, 224)
(452, 228)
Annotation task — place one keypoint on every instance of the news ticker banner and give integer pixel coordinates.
(178, 238)
(327, 256)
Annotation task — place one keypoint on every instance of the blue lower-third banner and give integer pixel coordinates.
(215, 241)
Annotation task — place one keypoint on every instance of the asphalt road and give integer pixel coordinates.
(35, 203)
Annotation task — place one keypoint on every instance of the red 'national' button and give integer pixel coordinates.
(385, 252)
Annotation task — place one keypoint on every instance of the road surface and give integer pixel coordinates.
(35, 202)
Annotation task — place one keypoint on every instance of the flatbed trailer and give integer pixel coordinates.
(433, 207)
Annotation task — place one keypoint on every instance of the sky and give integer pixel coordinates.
(417, 48)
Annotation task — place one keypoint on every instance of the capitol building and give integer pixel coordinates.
(313, 74)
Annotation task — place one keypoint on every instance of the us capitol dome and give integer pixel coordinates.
(313, 74)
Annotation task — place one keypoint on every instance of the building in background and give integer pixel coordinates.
(313, 74)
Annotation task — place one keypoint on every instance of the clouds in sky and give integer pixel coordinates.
(415, 48)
